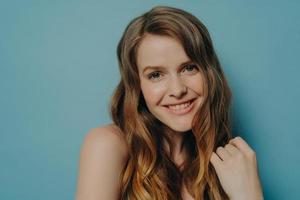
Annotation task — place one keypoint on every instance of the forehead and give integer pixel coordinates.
(156, 50)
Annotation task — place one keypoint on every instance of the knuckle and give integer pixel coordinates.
(237, 138)
(252, 154)
(219, 149)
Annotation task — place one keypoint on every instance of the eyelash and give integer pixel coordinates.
(150, 76)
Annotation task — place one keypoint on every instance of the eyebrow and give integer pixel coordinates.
(160, 67)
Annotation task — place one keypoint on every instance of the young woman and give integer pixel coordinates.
(171, 136)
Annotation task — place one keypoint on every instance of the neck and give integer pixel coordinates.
(176, 149)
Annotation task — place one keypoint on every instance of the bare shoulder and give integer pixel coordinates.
(108, 136)
(102, 157)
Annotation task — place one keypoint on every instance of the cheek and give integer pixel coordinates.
(196, 84)
(153, 93)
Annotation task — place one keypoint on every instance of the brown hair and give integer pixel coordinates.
(149, 173)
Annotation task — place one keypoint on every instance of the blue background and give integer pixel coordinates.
(58, 68)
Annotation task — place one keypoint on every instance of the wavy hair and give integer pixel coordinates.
(149, 172)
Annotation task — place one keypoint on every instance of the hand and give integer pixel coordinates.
(236, 168)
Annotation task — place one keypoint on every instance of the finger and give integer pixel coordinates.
(223, 153)
(215, 161)
(231, 149)
(241, 145)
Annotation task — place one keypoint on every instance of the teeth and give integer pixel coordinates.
(180, 106)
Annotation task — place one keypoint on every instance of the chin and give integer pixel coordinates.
(177, 124)
(179, 128)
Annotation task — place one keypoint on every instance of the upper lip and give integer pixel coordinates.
(178, 103)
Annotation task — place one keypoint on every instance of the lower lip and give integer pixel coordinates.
(182, 111)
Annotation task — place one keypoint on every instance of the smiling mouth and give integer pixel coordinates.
(181, 109)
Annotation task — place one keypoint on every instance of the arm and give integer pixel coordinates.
(102, 157)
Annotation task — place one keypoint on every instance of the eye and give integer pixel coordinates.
(191, 68)
(154, 75)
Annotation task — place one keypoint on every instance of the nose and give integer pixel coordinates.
(177, 88)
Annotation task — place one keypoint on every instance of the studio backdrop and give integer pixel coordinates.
(58, 69)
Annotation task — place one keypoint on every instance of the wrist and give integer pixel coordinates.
(259, 197)
(254, 195)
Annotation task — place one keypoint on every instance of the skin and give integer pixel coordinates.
(235, 164)
(102, 156)
(171, 83)
(104, 151)
(236, 167)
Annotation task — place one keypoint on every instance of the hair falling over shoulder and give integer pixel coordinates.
(149, 173)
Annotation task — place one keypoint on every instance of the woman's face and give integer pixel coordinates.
(171, 84)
